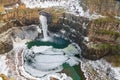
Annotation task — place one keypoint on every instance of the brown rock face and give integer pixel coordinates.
(5, 47)
(53, 78)
(104, 7)
(5, 42)
(94, 54)
(104, 34)
(25, 32)
(4, 77)
(105, 30)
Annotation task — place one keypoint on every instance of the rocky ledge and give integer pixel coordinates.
(25, 32)
(97, 38)
(5, 42)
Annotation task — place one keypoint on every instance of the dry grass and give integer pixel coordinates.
(114, 59)
(102, 6)
(1, 8)
(5, 2)
(55, 12)
(26, 16)
(4, 77)
(109, 19)
(23, 14)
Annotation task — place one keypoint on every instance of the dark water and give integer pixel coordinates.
(74, 72)
(71, 71)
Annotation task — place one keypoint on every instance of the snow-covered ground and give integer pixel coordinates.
(71, 6)
(3, 66)
(11, 64)
(96, 70)
(99, 70)
(46, 60)
(42, 4)
(20, 48)
(19, 44)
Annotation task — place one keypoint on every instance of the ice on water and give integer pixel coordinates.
(43, 60)
(46, 59)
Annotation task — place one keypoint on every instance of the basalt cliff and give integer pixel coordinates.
(96, 37)
(92, 24)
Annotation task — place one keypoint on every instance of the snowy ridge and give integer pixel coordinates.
(71, 6)
(42, 4)
(103, 70)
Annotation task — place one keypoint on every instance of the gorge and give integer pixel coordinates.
(44, 59)
(76, 40)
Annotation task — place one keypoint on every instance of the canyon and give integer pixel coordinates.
(92, 26)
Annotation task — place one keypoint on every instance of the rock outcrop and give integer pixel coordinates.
(26, 32)
(5, 47)
(103, 7)
(5, 42)
(47, 15)
(105, 29)
(73, 28)
(103, 34)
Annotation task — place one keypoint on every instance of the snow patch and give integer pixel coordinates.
(72, 6)
(42, 4)
(19, 44)
(103, 69)
(3, 65)
(1, 78)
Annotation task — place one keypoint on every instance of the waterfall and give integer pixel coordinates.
(43, 21)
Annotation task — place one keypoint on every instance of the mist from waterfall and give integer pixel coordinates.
(43, 21)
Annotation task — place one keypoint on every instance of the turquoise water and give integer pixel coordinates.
(71, 71)
(74, 72)
(56, 43)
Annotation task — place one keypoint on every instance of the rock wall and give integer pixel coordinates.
(5, 47)
(103, 7)
(25, 32)
(5, 42)
(73, 28)
(18, 23)
(103, 34)
(105, 30)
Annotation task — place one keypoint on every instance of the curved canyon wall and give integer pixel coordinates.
(103, 34)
